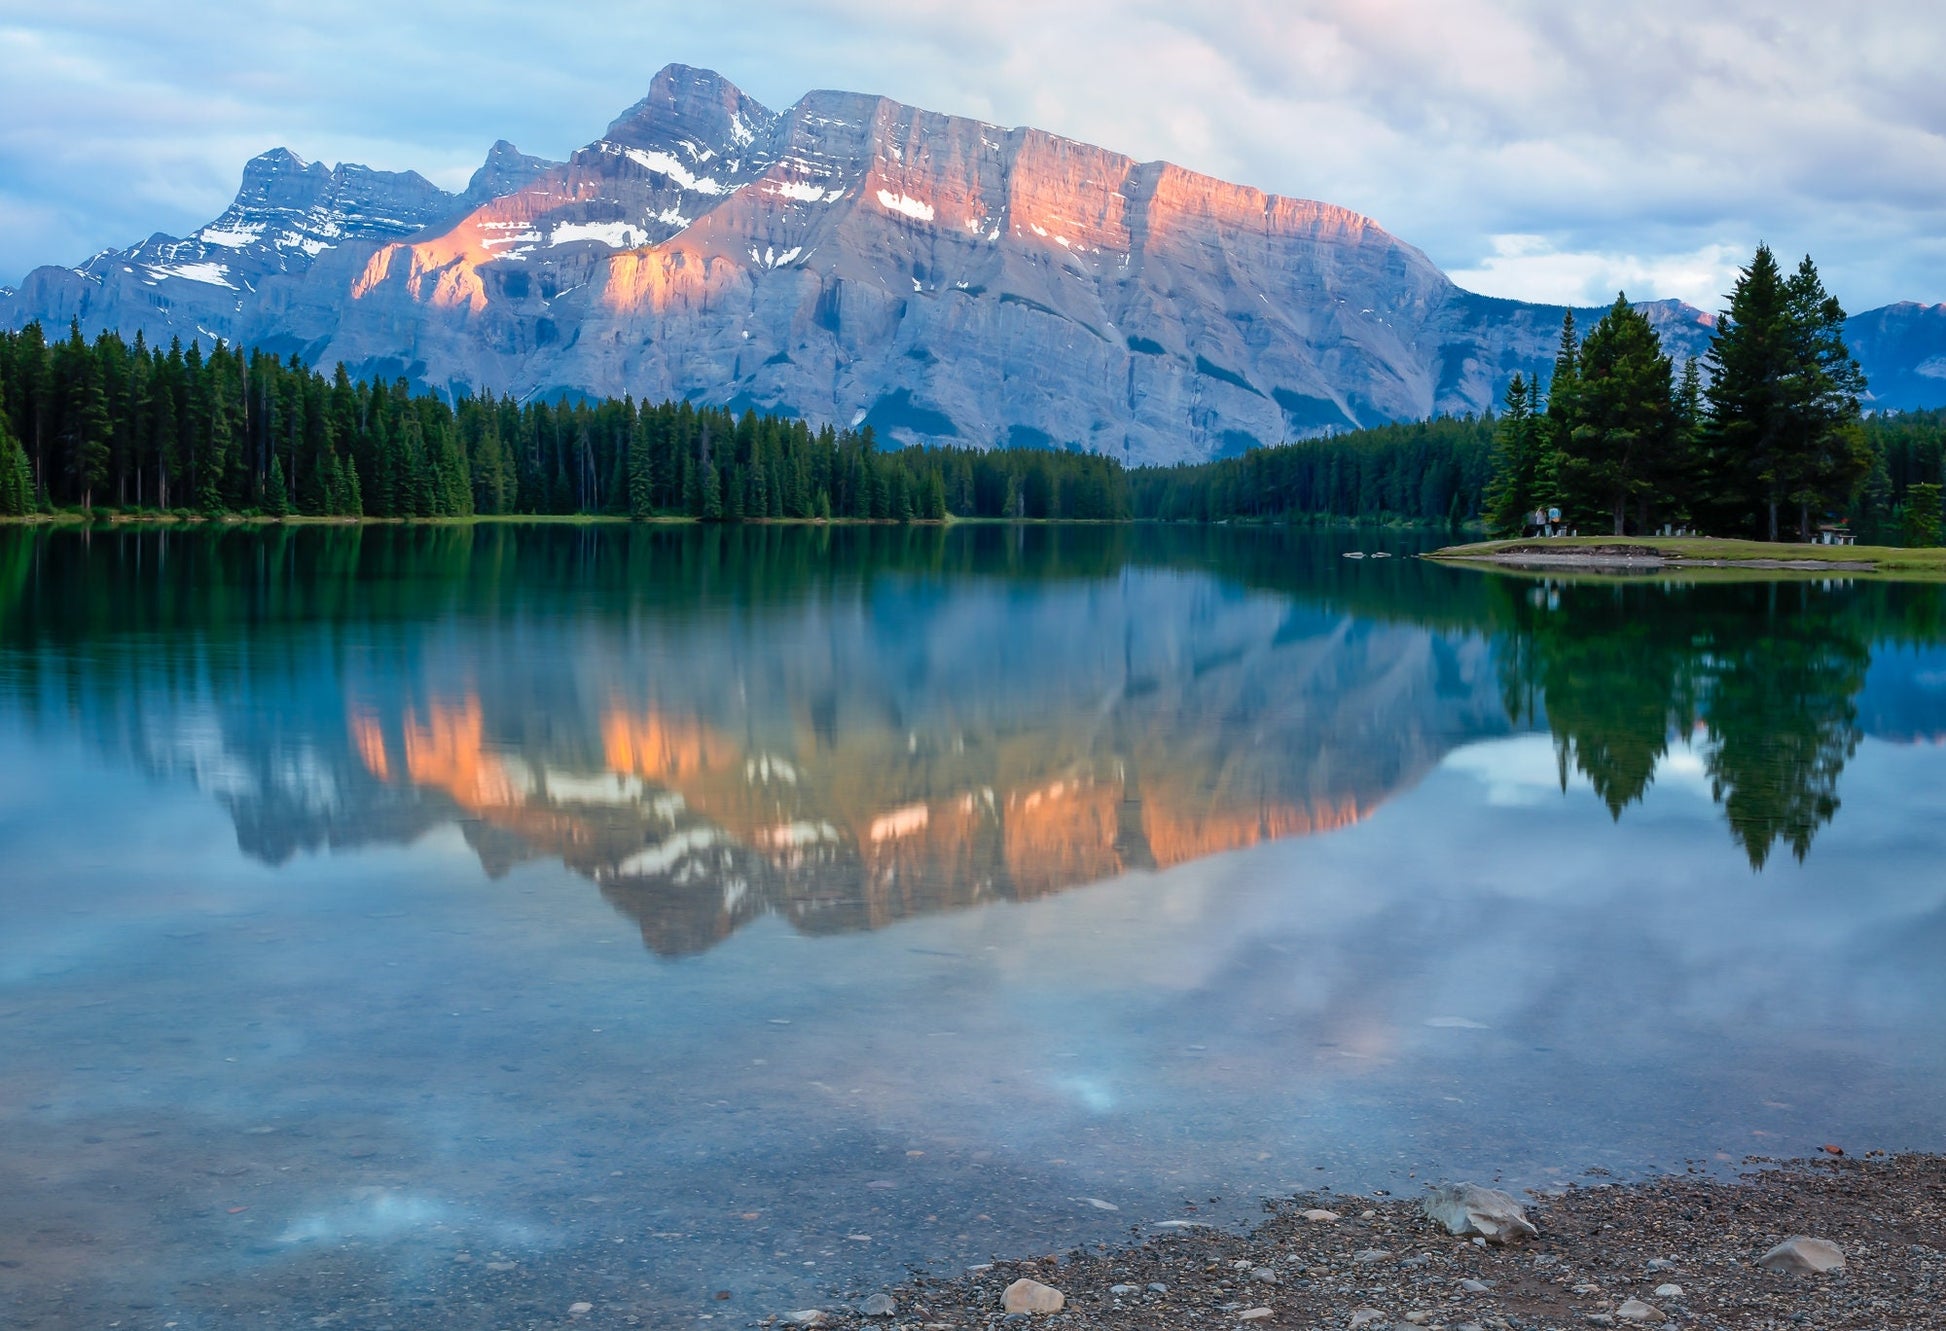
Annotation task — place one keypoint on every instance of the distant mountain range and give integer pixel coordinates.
(853, 260)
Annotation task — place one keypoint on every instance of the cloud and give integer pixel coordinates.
(1636, 142)
(1528, 267)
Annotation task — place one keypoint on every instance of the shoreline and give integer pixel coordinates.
(1620, 555)
(1677, 1250)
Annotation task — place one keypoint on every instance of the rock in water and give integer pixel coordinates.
(1031, 1296)
(1804, 1256)
(877, 1305)
(807, 1317)
(1468, 1209)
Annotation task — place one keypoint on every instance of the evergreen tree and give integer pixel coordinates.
(1623, 421)
(86, 427)
(1752, 364)
(276, 498)
(1510, 494)
(16, 478)
(641, 469)
(1828, 457)
(1562, 393)
(1920, 524)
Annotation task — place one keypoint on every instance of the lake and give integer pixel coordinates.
(440, 926)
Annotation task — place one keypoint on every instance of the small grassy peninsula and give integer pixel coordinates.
(1679, 552)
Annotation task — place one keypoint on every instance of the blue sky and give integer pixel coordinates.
(1535, 150)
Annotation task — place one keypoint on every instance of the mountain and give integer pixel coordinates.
(1903, 350)
(857, 261)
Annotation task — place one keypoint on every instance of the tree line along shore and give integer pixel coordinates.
(1771, 443)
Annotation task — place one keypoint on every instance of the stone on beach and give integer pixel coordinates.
(1634, 1310)
(1367, 1316)
(1321, 1216)
(877, 1305)
(1467, 1209)
(1801, 1255)
(1031, 1296)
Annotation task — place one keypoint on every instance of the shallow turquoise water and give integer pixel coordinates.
(439, 927)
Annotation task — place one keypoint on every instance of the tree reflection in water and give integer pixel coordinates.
(1761, 678)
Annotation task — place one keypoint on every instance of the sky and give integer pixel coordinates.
(1543, 151)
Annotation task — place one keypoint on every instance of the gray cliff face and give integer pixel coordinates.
(850, 260)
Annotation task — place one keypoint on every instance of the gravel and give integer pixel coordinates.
(1604, 1254)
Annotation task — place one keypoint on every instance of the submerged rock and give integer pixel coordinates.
(1031, 1296)
(1804, 1256)
(1467, 1209)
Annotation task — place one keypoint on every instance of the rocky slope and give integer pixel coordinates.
(855, 260)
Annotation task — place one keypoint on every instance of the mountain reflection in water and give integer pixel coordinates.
(849, 727)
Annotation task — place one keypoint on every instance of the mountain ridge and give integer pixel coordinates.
(858, 261)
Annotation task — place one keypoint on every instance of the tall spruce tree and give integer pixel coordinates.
(1622, 425)
(1510, 492)
(1828, 458)
(1562, 391)
(16, 478)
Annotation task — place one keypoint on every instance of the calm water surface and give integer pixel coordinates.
(440, 927)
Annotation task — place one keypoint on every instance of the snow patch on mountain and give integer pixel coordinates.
(917, 209)
(665, 164)
(803, 191)
(215, 274)
(615, 235)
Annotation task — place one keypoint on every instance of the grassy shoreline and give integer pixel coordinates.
(1612, 554)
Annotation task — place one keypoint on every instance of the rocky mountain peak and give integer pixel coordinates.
(694, 109)
(506, 170)
(280, 178)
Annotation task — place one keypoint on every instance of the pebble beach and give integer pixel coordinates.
(1681, 1251)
